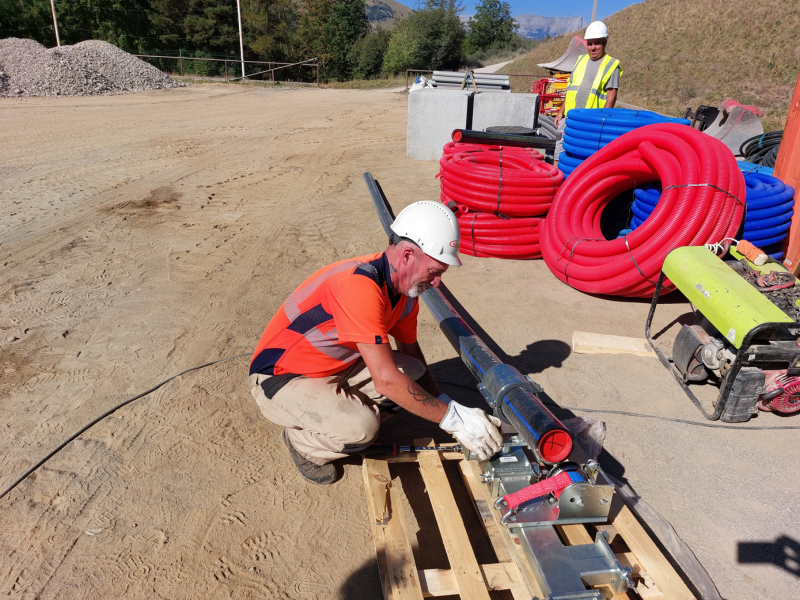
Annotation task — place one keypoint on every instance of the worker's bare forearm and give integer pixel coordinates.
(410, 395)
(611, 98)
(426, 382)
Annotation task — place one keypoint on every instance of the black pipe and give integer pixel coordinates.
(468, 136)
(512, 396)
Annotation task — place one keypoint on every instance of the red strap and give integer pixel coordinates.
(553, 484)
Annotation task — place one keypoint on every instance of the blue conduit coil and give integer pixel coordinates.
(770, 206)
(589, 129)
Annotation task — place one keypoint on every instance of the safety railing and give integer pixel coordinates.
(228, 68)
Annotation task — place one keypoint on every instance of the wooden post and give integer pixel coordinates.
(317, 74)
(55, 22)
(406, 79)
(787, 169)
(271, 73)
(226, 70)
(180, 61)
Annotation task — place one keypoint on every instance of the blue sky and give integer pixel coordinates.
(563, 8)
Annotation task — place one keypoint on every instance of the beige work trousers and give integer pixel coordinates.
(331, 417)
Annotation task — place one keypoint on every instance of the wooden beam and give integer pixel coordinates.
(647, 553)
(471, 584)
(497, 537)
(372, 470)
(377, 482)
(403, 575)
(442, 582)
(646, 587)
(470, 471)
(598, 343)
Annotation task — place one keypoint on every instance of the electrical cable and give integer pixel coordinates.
(108, 413)
(703, 201)
(762, 149)
(626, 413)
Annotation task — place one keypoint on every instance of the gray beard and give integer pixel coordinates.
(418, 290)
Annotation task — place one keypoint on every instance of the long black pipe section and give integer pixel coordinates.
(508, 392)
(469, 136)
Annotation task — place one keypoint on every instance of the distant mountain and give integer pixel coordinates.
(536, 27)
(383, 13)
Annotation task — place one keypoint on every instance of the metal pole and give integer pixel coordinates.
(594, 10)
(241, 40)
(226, 70)
(55, 23)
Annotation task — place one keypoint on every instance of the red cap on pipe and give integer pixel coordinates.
(555, 446)
(456, 135)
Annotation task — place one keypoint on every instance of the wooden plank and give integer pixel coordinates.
(470, 472)
(377, 482)
(412, 456)
(442, 582)
(471, 584)
(575, 535)
(598, 343)
(371, 469)
(495, 535)
(402, 569)
(646, 587)
(648, 554)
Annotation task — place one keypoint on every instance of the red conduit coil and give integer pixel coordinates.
(512, 182)
(486, 235)
(702, 202)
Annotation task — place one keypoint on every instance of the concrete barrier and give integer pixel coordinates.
(503, 109)
(432, 117)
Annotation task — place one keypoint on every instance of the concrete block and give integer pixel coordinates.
(502, 109)
(432, 116)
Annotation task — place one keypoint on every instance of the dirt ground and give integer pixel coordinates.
(145, 234)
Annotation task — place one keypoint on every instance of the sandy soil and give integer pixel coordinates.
(144, 234)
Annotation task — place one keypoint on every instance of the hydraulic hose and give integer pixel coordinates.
(703, 201)
(513, 182)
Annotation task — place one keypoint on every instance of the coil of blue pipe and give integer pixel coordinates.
(770, 206)
(590, 129)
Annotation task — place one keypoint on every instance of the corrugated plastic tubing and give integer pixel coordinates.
(512, 182)
(590, 129)
(487, 235)
(770, 206)
(703, 201)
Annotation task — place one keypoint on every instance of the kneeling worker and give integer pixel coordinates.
(593, 82)
(324, 369)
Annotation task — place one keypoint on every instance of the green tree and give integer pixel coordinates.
(211, 25)
(366, 55)
(491, 26)
(27, 19)
(268, 29)
(347, 24)
(432, 38)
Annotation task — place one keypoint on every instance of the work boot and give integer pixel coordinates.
(321, 475)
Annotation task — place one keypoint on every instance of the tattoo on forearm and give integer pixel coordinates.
(422, 396)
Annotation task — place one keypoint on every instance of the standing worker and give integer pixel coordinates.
(593, 82)
(324, 369)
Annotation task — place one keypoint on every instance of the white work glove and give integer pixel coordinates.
(473, 428)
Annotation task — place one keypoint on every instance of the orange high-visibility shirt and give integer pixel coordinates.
(316, 330)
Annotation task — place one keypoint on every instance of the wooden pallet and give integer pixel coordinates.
(400, 578)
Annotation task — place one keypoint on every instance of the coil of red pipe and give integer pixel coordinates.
(513, 182)
(702, 202)
(487, 235)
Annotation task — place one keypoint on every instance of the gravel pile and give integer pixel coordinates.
(91, 68)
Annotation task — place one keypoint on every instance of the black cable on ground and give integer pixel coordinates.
(639, 415)
(762, 149)
(106, 414)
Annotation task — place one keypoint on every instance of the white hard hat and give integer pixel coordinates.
(595, 31)
(433, 227)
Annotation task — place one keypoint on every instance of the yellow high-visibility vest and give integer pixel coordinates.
(597, 96)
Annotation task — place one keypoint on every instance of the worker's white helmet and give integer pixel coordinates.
(433, 227)
(595, 31)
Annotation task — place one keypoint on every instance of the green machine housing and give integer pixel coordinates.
(739, 336)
